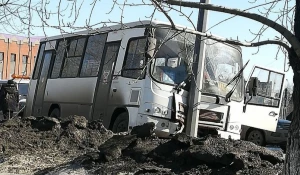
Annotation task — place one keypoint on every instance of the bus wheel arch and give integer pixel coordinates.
(54, 111)
(120, 117)
(256, 136)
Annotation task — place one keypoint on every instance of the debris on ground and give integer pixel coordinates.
(44, 145)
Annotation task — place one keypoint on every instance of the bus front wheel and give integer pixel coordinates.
(55, 113)
(121, 123)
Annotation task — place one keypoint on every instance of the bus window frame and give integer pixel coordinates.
(125, 58)
(68, 39)
(78, 76)
(35, 64)
(65, 54)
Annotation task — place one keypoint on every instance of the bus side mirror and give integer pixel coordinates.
(253, 83)
(151, 43)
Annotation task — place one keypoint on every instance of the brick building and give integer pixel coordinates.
(17, 56)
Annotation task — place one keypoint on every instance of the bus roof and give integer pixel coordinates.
(135, 24)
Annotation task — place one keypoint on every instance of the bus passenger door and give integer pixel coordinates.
(104, 79)
(41, 85)
(262, 111)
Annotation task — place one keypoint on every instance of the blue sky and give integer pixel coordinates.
(237, 26)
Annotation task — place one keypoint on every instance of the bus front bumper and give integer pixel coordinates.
(229, 135)
(163, 127)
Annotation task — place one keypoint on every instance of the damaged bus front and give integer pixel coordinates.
(170, 71)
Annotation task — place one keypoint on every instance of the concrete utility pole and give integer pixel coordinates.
(196, 83)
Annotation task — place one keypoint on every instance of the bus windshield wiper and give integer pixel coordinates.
(237, 77)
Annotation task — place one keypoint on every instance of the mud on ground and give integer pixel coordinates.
(43, 145)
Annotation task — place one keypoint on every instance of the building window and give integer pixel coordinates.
(24, 64)
(13, 57)
(12, 63)
(24, 59)
(1, 56)
(1, 63)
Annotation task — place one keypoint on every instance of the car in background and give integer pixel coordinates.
(263, 138)
(22, 85)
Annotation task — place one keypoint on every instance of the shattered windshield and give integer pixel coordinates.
(173, 57)
(222, 63)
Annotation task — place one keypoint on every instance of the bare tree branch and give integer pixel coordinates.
(282, 30)
(164, 12)
(244, 11)
(236, 42)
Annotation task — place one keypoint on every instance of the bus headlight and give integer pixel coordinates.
(157, 110)
(232, 127)
(237, 127)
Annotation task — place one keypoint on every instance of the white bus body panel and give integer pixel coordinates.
(74, 90)
(75, 95)
(122, 88)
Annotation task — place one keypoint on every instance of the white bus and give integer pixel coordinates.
(127, 77)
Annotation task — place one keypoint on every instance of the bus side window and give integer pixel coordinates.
(93, 54)
(135, 59)
(72, 61)
(37, 66)
(62, 45)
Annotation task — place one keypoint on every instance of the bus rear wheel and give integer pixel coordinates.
(121, 123)
(55, 113)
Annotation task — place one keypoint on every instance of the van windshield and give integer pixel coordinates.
(172, 61)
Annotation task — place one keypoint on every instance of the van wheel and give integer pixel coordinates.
(256, 136)
(55, 113)
(121, 123)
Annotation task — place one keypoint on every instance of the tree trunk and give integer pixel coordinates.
(292, 160)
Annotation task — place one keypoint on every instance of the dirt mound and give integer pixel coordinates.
(35, 143)
(43, 145)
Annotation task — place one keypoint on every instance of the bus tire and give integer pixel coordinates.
(256, 136)
(55, 113)
(121, 123)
